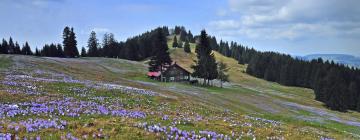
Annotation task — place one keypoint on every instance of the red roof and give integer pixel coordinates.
(156, 74)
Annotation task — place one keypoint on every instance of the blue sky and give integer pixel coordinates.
(297, 27)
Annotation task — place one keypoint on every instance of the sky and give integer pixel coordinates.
(296, 27)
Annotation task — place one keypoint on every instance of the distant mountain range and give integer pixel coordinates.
(337, 58)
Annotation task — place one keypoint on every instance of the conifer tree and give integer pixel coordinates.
(161, 57)
(93, 45)
(83, 52)
(183, 35)
(37, 52)
(60, 51)
(26, 50)
(187, 47)
(206, 66)
(4, 47)
(222, 70)
(11, 46)
(69, 43)
(17, 49)
(175, 43)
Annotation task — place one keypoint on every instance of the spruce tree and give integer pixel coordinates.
(5, 46)
(183, 35)
(161, 57)
(353, 94)
(60, 51)
(74, 43)
(93, 45)
(83, 52)
(175, 42)
(17, 49)
(190, 37)
(206, 66)
(69, 43)
(187, 47)
(37, 52)
(11, 46)
(66, 42)
(26, 50)
(222, 70)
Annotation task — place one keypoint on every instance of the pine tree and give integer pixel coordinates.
(175, 43)
(60, 51)
(222, 76)
(183, 35)
(187, 47)
(83, 52)
(26, 50)
(37, 52)
(11, 46)
(161, 57)
(93, 45)
(73, 43)
(206, 66)
(5, 46)
(17, 49)
(66, 42)
(353, 94)
(69, 43)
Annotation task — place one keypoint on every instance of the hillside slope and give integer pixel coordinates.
(246, 108)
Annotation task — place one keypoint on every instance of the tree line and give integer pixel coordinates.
(11, 47)
(336, 85)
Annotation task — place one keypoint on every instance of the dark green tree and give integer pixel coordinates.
(187, 47)
(222, 76)
(60, 51)
(26, 50)
(17, 49)
(183, 35)
(70, 43)
(93, 45)
(4, 47)
(83, 52)
(11, 46)
(161, 57)
(175, 43)
(205, 67)
(37, 52)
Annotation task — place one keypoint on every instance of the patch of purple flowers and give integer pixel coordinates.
(66, 107)
(173, 132)
(33, 125)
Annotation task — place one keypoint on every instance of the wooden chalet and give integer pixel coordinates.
(174, 73)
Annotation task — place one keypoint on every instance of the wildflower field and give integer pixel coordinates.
(100, 98)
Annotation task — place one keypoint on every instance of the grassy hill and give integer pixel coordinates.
(127, 105)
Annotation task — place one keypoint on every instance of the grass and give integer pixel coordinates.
(247, 96)
(5, 61)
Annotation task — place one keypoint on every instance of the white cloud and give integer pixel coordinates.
(280, 19)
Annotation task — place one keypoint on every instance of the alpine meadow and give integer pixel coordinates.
(179, 70)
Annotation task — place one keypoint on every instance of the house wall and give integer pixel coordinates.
(176, 74)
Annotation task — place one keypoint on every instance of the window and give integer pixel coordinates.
(172, 78)
(186, 77)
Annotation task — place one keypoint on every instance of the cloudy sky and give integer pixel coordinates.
(297, 27)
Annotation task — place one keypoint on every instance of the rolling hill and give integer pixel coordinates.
(337, 58)
(112, 98)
